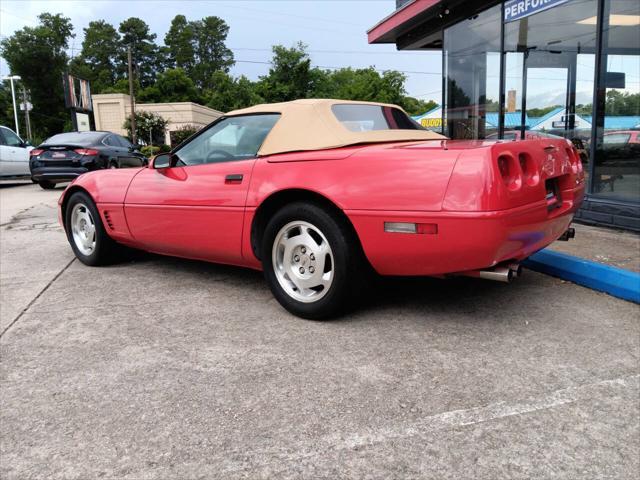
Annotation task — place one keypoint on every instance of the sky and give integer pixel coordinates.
(335, 31)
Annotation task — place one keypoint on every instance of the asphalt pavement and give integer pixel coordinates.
(162, 368)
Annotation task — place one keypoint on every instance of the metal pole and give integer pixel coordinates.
(15, 111)
(523, 35)
(501, 94)
(599, 103)
(133, 107)
(26, 112)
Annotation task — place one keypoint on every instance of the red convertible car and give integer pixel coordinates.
(316, 193)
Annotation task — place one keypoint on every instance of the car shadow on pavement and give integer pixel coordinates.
(404, 295)
(14, 183)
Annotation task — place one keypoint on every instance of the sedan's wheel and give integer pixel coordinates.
(303, 261)
(312, 261)
(46, 185)
(113, 165)
(85, 231)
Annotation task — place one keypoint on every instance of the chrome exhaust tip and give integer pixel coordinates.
(516, 268)
(568, 234)
(499, 274)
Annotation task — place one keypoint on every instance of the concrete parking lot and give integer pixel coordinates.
(165, 368)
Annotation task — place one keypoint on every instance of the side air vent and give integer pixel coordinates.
(107, 217)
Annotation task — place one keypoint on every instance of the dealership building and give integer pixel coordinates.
(519, 68)
(110, 110)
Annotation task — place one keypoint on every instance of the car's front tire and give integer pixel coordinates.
(86, 233)
(46, 185)
(312, 261)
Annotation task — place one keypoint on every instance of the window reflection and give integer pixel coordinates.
(472, 64)
(617, 122)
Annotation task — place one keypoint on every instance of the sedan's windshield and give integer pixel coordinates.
(363, 118)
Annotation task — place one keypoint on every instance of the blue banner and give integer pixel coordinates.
(517, 9)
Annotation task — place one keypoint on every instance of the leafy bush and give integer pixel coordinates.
(150, 150)
(165, 148)
(182, 133)
(150, 128)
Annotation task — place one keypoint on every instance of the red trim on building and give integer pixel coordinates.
(386, 31)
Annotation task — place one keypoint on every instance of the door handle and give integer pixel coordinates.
(234, 179)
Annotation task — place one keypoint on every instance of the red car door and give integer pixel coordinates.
(195, 208)
(190, 211)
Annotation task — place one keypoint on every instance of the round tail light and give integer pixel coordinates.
(509, 171)
(530, 172)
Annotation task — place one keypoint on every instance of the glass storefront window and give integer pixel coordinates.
(572, 71)
(617, 119)
(549, 74)
(472, 62)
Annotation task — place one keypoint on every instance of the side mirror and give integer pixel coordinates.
(26, 144)
(162, 160)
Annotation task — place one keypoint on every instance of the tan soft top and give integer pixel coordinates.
(310, 124)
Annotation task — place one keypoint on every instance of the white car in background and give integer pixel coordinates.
(14, 154)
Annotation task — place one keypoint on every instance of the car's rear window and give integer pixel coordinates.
(364, 118)
(75, 138)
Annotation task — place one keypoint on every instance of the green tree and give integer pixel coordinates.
(38, 55)
(228, 93)
(182, 133)
(180, 40)
(122, 86)
(622, 103)
(100, 55)
(146, 59)
(150, 128)
(414, 106)
(6, 105)
(541, 112)
(491, 105)
(582, 109)
(362, 84)
(172, 86)
(211, 52)
(290, 76)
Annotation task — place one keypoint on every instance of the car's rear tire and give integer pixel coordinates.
(86, 233)
(113, 165)
(312, 261)
(46, 185)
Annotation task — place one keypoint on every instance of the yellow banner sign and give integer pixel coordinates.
(431, 122)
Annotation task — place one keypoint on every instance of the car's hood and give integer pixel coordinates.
(107, 186)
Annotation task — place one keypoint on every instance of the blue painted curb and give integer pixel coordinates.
(612, 280)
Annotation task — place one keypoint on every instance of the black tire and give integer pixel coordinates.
(113, 164)
(349, 266)
(46, 185)
(106, 250)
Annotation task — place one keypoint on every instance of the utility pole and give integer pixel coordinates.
(26, 112)
(11, 78)
(133, 101)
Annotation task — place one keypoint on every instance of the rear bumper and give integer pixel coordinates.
(464, 240)
(57, 174)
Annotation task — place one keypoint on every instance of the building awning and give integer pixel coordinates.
(403, 19)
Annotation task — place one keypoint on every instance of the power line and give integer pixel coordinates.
(282, 14)
(414, 53)
(338, 68)
(30, 20)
